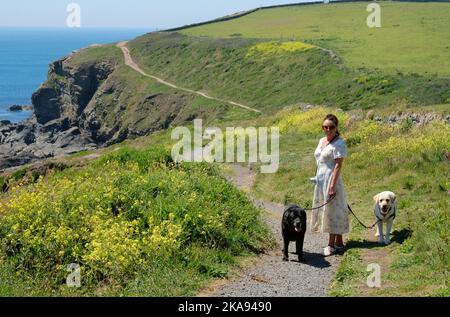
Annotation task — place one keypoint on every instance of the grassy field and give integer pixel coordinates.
(271, 75)
(414, 37)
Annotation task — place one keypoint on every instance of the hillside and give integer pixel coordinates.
(92, 99)
(413, 37)
(141, 225)
(272, 74)
(133, 187)
(406, 61)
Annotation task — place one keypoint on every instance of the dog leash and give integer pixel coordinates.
(351, 211)
(360, 222)
(328, 201)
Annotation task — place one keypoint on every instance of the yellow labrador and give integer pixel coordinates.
(385, 210)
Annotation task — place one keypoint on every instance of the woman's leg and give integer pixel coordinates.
(332, 240)
(339, 240)
(330, 250)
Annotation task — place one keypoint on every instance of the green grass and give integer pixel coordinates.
(416, 42)
(349, 273)
(135, 105)
(97, 53)
(271, 76)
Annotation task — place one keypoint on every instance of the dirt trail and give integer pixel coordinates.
(131, 63)
(270, 276)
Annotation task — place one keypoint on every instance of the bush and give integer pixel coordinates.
(267, 49)
(118, 215)
(424, 143)
(307, 122)
(365, 131)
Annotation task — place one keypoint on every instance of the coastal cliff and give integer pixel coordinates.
(91, 99)
(56, 126)
(68, 90)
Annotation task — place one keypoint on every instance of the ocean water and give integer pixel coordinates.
(25, 54)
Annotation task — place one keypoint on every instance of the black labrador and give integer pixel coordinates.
(293, 227)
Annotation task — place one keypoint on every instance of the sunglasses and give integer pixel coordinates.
(328, 127)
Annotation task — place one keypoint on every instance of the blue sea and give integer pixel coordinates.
(25, 54)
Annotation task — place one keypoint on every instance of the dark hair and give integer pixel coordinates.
(335, 120)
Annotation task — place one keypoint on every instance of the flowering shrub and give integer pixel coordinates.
(427, 142)
(365, 132)
(309, 122)
(121, 213)
(115, 246)
(276, 48)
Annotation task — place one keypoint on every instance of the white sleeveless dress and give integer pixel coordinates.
(334, 217)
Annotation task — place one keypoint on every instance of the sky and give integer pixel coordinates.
(153, 14)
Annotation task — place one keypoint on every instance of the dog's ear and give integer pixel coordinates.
(375, 198)
(393, 197)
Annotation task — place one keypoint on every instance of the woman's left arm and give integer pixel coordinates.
(335, 176)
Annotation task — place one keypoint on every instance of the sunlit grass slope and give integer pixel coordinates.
(269, 74)
(414, 37)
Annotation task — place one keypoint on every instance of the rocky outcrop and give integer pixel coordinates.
(56, 127)
(414, 118)
(133, 118)
(29, 141)
(68, 90)
(18, 108)
(87, 105)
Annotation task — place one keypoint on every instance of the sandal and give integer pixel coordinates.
(329, 250)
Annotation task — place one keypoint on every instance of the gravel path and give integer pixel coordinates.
(270, 276)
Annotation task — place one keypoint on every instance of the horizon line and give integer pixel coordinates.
(81, 28)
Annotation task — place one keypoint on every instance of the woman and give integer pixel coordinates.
(332, 218)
